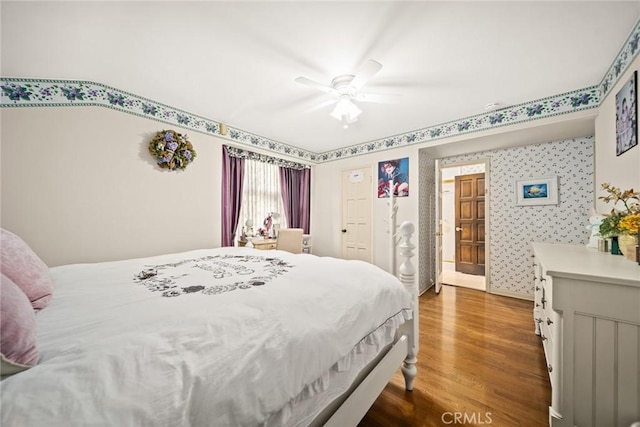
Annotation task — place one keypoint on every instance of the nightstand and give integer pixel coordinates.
(265, 244)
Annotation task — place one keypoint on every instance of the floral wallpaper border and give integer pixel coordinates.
(24, 92)
(624, 58)
(20, 92)
(570, 102)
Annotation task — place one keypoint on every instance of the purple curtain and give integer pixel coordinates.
(232, 179)
(296, 188)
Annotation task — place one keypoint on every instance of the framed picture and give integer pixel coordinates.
(393, 178)
(627, 116)
(537, 191)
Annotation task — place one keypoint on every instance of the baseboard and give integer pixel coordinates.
(511, 294)
(422, 291)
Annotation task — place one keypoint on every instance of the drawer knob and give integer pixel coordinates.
(539, 320)
(542, 337)
(550, 368)
(537, 288)
(549, 321)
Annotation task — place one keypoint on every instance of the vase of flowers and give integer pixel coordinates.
(621, 224)
(629, 226)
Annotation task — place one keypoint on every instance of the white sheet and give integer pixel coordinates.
(115, 353)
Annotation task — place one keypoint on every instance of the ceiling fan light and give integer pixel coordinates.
(346, 110)
(354, 111)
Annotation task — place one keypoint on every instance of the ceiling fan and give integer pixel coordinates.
(345, 89)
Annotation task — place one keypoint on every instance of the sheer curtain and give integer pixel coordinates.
(260, 194)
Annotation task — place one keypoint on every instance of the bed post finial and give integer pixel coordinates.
(407, 277)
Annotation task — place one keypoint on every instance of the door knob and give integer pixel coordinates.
(458, 228)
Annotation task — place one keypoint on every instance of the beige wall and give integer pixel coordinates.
(622, 171)
(79, 185)
(326, 209)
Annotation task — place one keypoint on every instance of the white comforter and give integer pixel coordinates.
(120, 348)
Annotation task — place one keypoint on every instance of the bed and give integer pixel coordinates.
(224, 337)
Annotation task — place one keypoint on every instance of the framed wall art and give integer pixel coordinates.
(537, 191)
(393, 178)
(627, 116)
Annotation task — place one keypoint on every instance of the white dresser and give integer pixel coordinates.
(587, 313)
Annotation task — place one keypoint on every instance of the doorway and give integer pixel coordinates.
(463, 219)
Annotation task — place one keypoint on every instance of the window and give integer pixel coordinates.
(260, 195)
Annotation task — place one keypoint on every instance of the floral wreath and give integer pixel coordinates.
(172, 150)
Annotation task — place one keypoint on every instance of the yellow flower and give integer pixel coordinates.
(630, 224)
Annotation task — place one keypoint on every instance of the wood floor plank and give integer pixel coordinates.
(480, 363)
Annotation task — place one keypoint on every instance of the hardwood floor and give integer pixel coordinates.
(479, 363)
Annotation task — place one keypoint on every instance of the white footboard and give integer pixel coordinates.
(408, 278)
(360, 400)
(403, 352)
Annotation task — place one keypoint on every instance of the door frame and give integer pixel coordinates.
(476, 216)
(487, 221)
(438, 228)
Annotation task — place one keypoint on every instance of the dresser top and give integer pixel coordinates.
(580, 262)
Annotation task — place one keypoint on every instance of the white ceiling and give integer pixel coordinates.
(235, 62)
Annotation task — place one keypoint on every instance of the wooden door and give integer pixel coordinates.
(356, 214)
(470, 231)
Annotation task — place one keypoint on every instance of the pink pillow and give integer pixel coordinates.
(17, 329)
(21, 265)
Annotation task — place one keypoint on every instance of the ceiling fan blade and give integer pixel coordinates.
(321, 105)
(308, 82)
(382, 98)
(368, 70)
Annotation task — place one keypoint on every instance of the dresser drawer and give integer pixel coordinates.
(538, 310)
(265, 244)
(548, 343)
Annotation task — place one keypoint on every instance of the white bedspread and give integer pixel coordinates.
(160, 349)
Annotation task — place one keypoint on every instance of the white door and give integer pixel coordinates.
(356, 213)
(438, 227)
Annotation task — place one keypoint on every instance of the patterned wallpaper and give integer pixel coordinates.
(471, 169)
(426, 221)
(513, 227)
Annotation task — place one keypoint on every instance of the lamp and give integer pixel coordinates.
(346, 111)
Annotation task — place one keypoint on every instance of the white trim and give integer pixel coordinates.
(511, 294)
